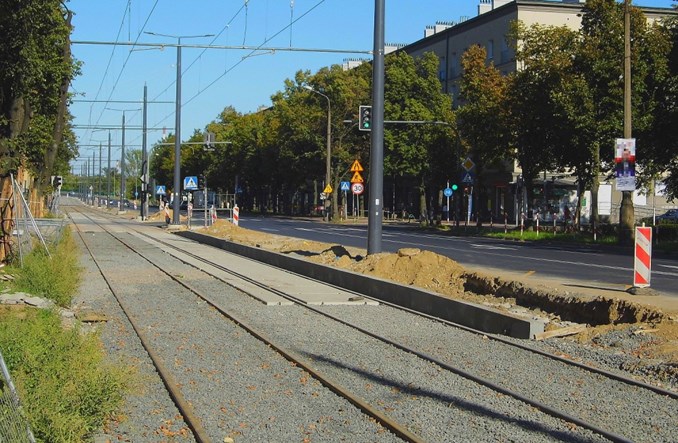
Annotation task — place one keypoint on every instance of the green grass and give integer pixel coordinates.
(65, 385)
(55, 278)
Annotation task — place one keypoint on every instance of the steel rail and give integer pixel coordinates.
(390, 424)
(482, 381)
(184, 407)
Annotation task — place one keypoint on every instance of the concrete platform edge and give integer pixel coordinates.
(463, 313)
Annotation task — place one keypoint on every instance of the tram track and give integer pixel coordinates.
(397, 428)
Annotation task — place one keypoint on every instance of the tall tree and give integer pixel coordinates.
(482, 119)
(425, 151)
(35, 71)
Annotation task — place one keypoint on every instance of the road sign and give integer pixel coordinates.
(323, 196)
(357, 188)
(328, 189)
(160, 190)
(467, 177)
(447, 192)
(467, 164)
(357, 178)
(356, 167)
(191, 183)
(345, 186)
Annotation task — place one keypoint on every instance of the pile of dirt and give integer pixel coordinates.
(436, 273)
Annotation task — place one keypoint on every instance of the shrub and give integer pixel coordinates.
(55, 278)
(66, 388)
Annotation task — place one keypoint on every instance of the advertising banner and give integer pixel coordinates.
(625, 164)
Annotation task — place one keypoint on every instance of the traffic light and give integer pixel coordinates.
(454, 187)
(58, 181)
(202, 182)
(365, 118)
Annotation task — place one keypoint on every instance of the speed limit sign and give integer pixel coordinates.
(357, 188)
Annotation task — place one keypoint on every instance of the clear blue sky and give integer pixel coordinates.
(214, 79)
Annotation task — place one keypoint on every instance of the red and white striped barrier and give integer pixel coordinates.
(236, 215)
(642, 264)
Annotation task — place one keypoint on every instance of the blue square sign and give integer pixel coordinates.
(191, 183)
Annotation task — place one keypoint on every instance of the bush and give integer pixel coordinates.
(66, 389)
(55, 278)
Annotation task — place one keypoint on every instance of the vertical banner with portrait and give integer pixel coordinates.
(625, 164)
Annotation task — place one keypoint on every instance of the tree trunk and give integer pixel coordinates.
(626, 219)
(60, 121)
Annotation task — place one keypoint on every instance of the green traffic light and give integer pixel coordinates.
(455, 187)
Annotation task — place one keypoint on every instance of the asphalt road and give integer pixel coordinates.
(577, 265)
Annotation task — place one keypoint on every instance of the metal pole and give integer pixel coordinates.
(626, 207)
(328, 201)
(177, 141)
(144, 161)
(122, 166)
(99, 176)
(108, 174)
(374, 221)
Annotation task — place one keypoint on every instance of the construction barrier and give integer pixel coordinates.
(236, 215)
(642, 264)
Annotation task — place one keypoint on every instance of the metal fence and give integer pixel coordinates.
(14, 427)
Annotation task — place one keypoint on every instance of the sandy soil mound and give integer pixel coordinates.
(433, 272)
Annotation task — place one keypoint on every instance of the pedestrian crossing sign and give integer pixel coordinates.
(160, 190)
(191, 183)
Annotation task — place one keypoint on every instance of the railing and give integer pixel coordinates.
(13, 425)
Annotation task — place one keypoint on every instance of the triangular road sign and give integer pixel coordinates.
(356, 167)
(328, 189)
(357, 178)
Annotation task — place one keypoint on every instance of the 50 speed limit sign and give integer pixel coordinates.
(357, 188)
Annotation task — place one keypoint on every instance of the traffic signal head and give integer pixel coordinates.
(365, 118)
(58, 181)
(455, 187)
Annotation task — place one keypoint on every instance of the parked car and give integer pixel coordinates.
(670, 216)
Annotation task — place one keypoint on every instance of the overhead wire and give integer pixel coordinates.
(236, 64)
(129, 54)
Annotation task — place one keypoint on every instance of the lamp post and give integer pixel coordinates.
(177, 126)
(328, 163)
(122, 157)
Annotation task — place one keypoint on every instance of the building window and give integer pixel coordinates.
(490, 49)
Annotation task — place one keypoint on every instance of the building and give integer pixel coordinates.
(449, 40)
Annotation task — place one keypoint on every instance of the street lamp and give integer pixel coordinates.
(177, 125)
(329, 146)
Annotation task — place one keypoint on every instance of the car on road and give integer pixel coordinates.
(670, 216)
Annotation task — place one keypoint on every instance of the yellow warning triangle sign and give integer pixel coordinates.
(356, 167)
(328, 189)
(357, 178)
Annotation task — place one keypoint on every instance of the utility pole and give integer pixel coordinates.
(108, 174)
(626, 212)
(144, 160)
(376, 178)
(176, 192)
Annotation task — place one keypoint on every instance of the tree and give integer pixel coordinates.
(482, 119)
(425, 151)
(541, 137)
(35, 71)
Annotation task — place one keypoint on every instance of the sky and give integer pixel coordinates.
(213, 79)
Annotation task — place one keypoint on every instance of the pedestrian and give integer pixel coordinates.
(167, 215)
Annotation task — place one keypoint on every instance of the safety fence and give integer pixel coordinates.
(13, 424)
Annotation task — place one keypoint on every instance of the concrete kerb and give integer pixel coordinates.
(460, 312)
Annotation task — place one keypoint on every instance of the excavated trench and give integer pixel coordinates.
(595, 312)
